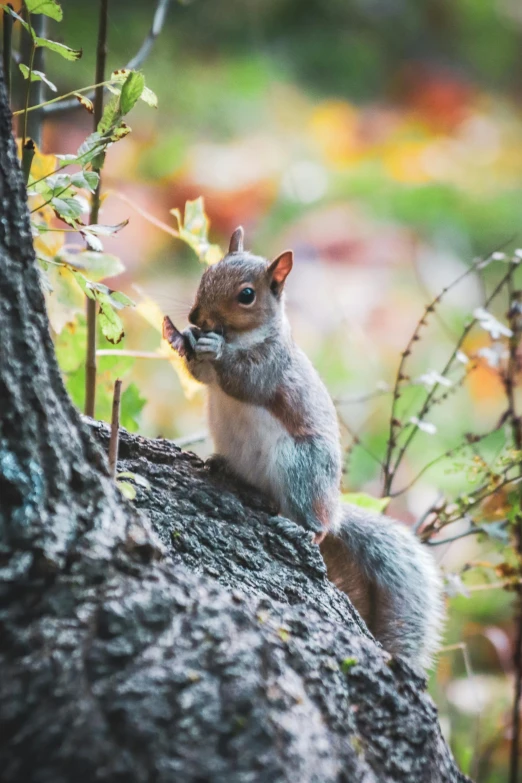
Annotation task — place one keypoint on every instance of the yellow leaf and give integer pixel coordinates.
(42, 165)
(48, 243)
(151, 312)
(193, 229)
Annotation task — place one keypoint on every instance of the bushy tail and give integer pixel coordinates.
(391, 579)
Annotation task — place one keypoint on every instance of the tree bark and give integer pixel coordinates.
(189, 637)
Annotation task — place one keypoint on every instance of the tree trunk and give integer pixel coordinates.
(220, 654)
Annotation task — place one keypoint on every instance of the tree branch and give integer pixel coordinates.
(134, 63)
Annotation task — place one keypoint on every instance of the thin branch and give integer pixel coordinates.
(134, 354)
(135, 62)
(28, 151)
(357, 440)
(471, 531)
(37, 89)
(7, 47)
(90, 362)
(160, 14)
(397, 389)
(515, 322)
(390, 472)
(115, 429)
(28, 93)
(146, 215)
(470, 442)
(197, 437)
(61, 97)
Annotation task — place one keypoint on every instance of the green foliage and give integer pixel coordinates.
(347, 664)
(48, 7)
(37, 76)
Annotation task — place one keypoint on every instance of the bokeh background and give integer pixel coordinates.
(382, 141)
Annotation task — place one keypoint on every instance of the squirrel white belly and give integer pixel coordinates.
(275, 426)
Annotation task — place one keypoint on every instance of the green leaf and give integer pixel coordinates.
(110, 322)
(90, 149)
(140, 480)
(122, 299)
(118, 79)
(85, 179)
(46, 7)
(67, 208)
(84, 284)
(95, 265)
(348, 664)
(131, 91)
(37, 76)
(105, 231)
(111, 115)
(61, 49)
(365, 501)
(126, 489)
(24, 24)
(149, 97)
(120, 132)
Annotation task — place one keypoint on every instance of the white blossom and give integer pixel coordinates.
(497, 256)
(425, 426)
(461, 357)
(432, 377)
(494, 354)
(490, 324)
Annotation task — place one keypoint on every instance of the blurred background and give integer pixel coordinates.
(382, 141)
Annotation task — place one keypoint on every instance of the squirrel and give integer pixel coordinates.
(274, 426)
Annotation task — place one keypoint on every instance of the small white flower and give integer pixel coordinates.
(490, 324)
(425, 426)
(497, 256)
(461, 357)
(494, 354)
(518, 253)
(432, 377)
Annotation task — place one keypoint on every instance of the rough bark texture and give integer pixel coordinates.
(223, 655)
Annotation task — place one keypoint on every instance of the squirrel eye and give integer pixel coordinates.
(246, 296)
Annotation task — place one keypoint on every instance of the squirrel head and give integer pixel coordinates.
(242, 292)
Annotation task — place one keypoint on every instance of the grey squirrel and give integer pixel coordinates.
(274, 425)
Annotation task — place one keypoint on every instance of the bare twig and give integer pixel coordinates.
(90, 363)
(135, 62)
(115, 429)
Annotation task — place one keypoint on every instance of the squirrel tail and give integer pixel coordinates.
(391, 579)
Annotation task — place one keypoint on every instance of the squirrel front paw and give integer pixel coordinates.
(209, 346)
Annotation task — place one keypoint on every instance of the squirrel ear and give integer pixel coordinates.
(236, 241)
(280, 268)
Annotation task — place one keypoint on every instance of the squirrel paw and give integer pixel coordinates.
(217, 464)
(209, 346)
(191, 335)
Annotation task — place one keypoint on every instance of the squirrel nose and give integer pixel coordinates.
(194, 315)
